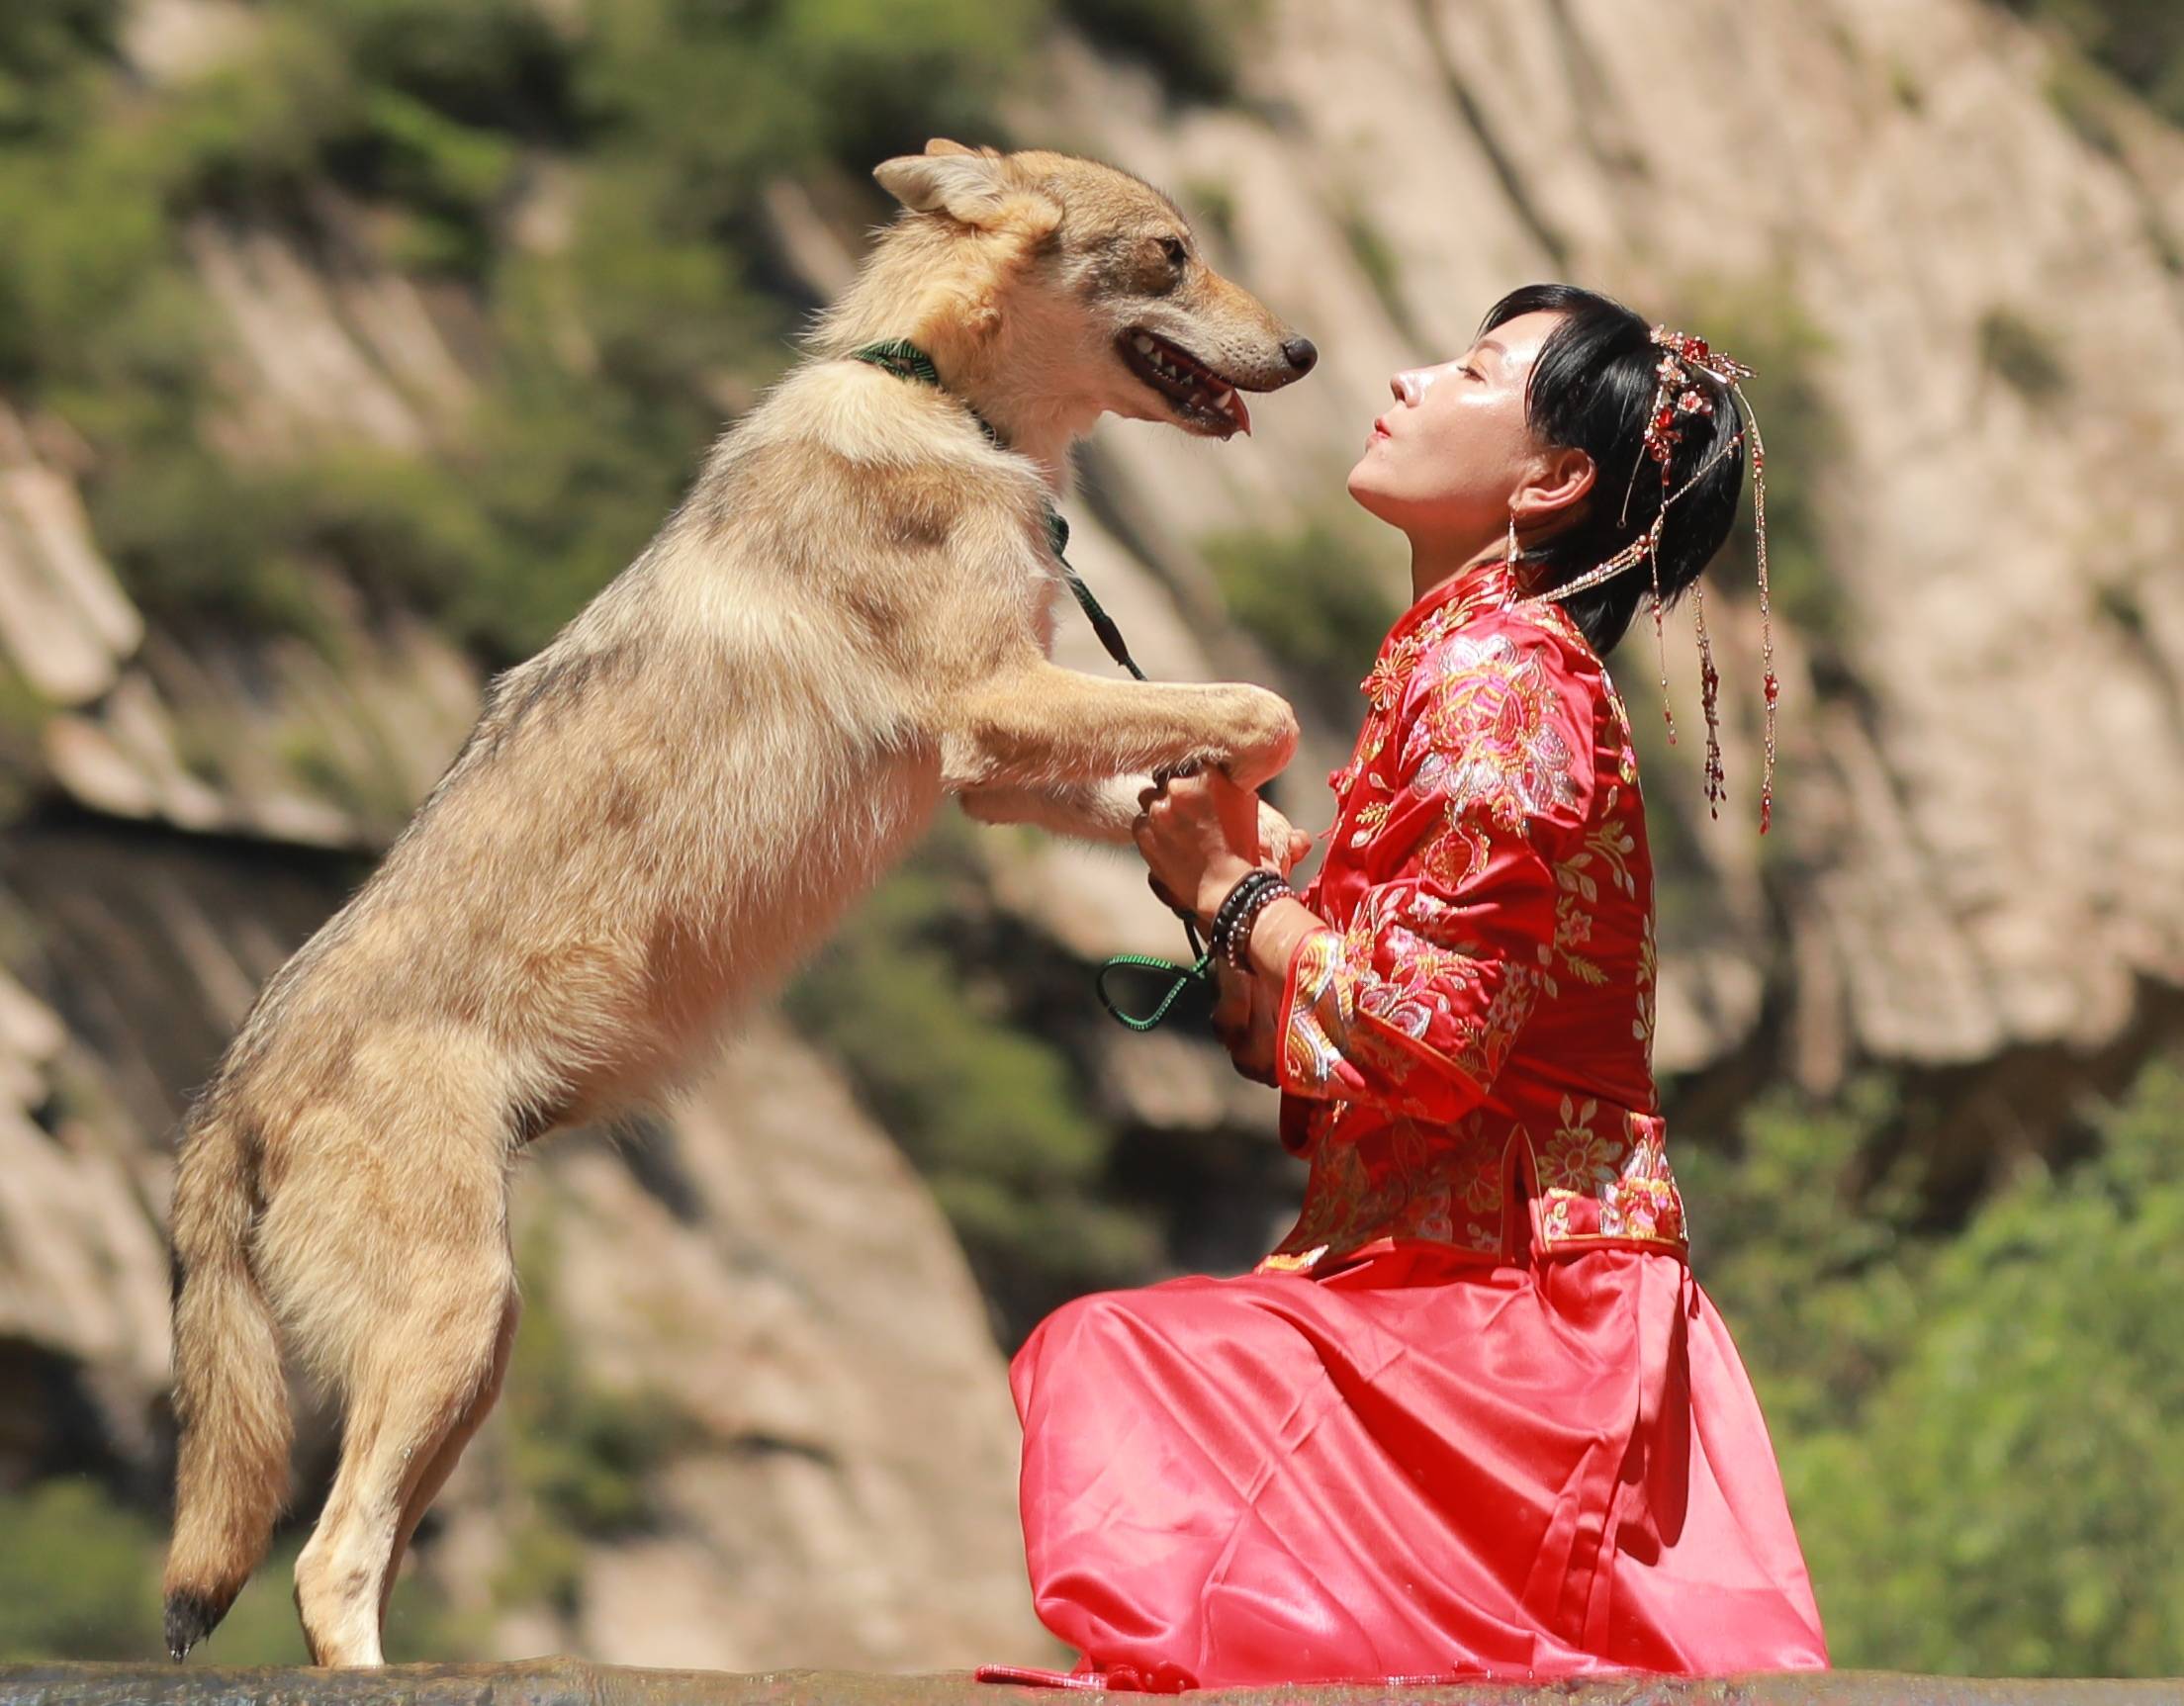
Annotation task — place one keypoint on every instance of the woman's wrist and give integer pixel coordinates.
(1274, 939)
(1219, 882)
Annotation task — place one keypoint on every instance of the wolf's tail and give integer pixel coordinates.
(230, 1393)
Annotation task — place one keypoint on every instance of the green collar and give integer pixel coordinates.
(905, 360)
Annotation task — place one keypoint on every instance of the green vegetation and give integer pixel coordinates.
(1190, 44)
(2024, 355)
(994, 1118)
(606, 353)
(577, 1454)
(1977, 1428)
(1905, 85)
(1376, 259)
(2140, 42)
(1314, 596)
(2088, 99)
(2121, 600)
(79, 1578)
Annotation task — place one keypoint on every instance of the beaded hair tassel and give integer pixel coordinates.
(1679, 395)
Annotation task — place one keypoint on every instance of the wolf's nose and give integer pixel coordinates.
(1302, 353)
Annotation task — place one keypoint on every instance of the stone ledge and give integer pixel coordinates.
(573, 1682)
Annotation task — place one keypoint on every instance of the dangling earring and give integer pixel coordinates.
(1510, 556)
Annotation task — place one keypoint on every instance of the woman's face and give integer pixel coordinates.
(1444, 462)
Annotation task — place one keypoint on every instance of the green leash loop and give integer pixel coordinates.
(1181, 978)
(905, 360)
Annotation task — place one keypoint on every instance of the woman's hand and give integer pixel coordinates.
(1200, 834)
(1244, 1020)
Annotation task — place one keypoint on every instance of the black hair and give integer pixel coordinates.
(1591, 389)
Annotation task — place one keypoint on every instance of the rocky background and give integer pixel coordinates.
(346, 345)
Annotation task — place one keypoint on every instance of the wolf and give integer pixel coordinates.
(844, 622)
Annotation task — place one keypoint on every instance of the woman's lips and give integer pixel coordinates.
(1379, 432)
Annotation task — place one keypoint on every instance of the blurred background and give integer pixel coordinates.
(347, 346)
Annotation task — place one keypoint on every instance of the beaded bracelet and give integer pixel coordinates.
(1232, 902)
(1239, 933)
(1236, 913)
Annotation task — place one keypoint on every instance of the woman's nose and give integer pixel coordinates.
(1409, 385)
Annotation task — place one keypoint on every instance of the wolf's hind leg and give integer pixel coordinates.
(450, 1451)
(418, 1391)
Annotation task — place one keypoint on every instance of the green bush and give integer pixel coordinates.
(259, 129)
(79, 1578)
(2138, 42)
(1377, 259)
(1977, 1429)
(48, 52)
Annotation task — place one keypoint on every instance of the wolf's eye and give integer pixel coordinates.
(1173, 249)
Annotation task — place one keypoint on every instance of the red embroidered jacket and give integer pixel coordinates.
(1479, 1013)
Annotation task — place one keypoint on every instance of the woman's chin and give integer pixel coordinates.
(1365, 489)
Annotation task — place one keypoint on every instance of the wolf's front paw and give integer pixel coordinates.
(1259, 731)
(1281, 840)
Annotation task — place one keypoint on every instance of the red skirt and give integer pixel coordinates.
(1415, 1465)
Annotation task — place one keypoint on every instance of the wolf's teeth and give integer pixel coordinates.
(1144, 343)
(1224, 397)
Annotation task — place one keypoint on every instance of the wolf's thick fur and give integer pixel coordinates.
(846, 620)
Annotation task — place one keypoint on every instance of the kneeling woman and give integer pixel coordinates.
(1473, 1415)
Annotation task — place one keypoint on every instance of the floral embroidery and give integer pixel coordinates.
(1626, 747)
(1405, 965)
(1578, 1157)
(1367, 823)
(1454, 853)
(1486, 738)
(1642, 1026)
(1399, 1180)
(1487, 1038)
(1634, 1198)
(1608, 848)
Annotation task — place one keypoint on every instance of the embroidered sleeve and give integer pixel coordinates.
(1414, 1004)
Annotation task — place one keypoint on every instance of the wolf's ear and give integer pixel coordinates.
(941, 146)
(971, 188)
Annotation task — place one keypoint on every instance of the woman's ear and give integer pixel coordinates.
(1558, 480)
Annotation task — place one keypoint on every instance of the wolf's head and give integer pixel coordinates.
(1051, 289)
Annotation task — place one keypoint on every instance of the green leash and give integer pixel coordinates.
(905, 360)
